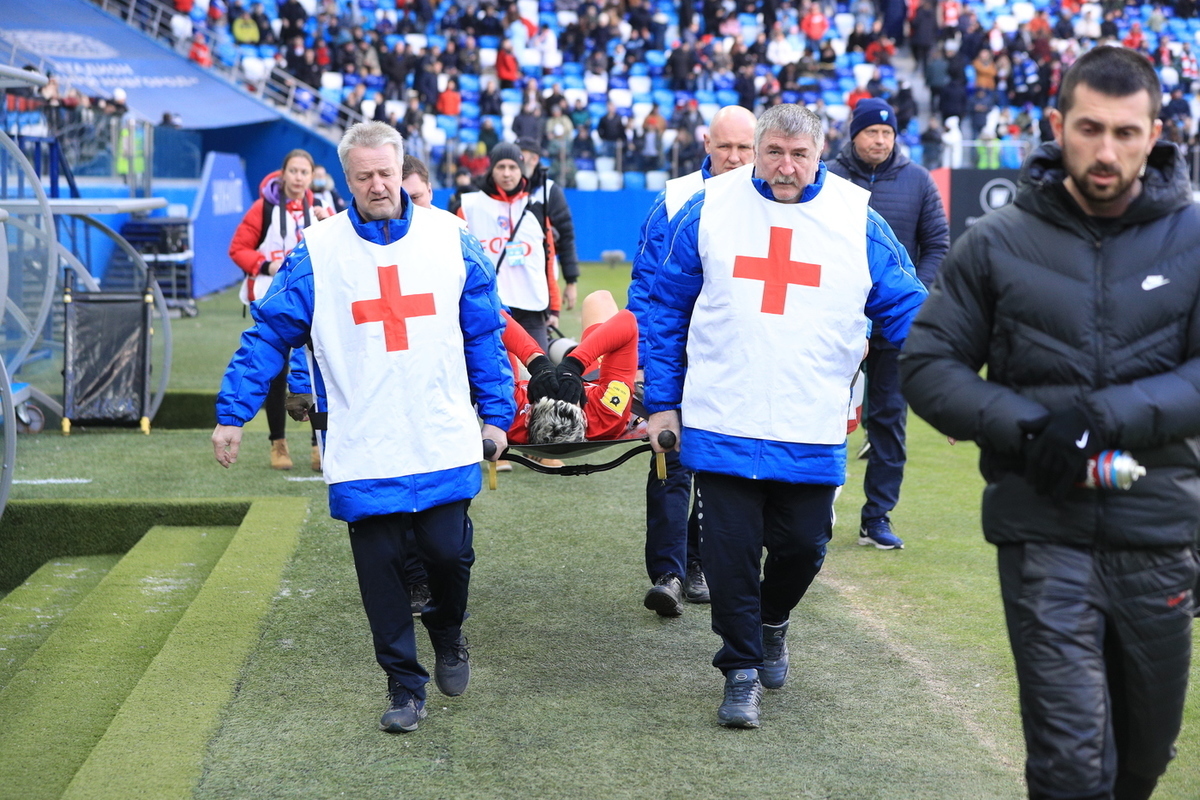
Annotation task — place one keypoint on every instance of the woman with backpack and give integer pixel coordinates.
(273, 225)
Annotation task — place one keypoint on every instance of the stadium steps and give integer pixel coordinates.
(123, 694)
(31, 612)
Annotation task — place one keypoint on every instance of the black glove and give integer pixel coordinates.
(543, 382)
(297, 405)
(1057, 451)
(570, 381)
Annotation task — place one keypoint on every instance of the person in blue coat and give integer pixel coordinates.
(672, 533)
(757, 324)
(399, 310)
(905, 195)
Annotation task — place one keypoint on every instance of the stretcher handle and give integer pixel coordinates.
(666, 440)
(489, 450)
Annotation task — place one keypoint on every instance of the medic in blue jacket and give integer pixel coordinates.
(757, 324)
(399, 308)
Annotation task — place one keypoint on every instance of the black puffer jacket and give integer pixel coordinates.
(905, 195)
(1064, 312)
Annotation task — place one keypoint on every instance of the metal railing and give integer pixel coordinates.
(299, 100)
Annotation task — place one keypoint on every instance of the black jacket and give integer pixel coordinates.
(561, 223)
(1066, 312)
(907, 198)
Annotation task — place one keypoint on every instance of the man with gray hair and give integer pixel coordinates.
(399, 309)
(757, 323)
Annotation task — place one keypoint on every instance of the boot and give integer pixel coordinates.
(279, 455)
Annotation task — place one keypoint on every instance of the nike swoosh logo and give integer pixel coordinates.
(1082, 441)
(1153, 282)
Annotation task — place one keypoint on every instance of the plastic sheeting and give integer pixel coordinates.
(106, 369)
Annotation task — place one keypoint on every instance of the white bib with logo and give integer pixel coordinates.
(521, 278)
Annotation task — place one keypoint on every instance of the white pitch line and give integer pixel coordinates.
(313, 478)
(46, 481)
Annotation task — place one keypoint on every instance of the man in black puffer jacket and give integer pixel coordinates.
(905, 195)
(1083, 301)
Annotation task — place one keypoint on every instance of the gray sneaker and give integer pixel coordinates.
(695, 587)
(404, 710)
(743, 692)
(451, 669)
(666, 596)
(775, 655)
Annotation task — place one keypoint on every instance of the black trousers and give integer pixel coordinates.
(672, 533)
(443, 537)
(1102, 643)
(738, 518)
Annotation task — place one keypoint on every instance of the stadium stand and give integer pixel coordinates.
(342, 60)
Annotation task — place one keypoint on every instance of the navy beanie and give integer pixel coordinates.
(872, 111)
(505, 150)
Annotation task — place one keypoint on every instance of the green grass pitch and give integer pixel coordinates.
(901, 685)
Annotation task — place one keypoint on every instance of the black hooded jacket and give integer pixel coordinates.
(1065, 310)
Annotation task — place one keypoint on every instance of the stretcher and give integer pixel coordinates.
(524, 454)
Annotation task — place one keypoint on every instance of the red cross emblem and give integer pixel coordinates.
(392, 308)
(777, 271)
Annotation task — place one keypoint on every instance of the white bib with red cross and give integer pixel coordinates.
(387, 340)
(680, 190)
(521, 278)
(779, 327)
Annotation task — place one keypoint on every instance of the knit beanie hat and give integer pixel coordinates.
(871, 111)
(505, 150)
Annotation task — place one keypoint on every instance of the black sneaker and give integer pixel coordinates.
(404, 710)
(666, 596)
(451, 669)
(775, 655)
(419, 597)
(743, 692)
(695, 587)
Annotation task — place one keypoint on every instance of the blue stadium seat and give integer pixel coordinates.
(572, 69)
(790, 97)
(497, 121)
(681, 98)
(585, 163)
(391, 39)
(727, 97)
(375, 83)
(810, 97)
(468, 135)
(468, 82)
(266, 50)
(618, 82)
(248, 51)
(303, 99)
(532, 70)
(599, 97)
(725, 81)
(470, 110)
(834, 98)
(329, 113)
(351, 79)
(704, 96)
(656, 60)
(846, 84)
(436, 40)
(510, 95)
(448, 124)
(665, 98)
(436, 153)
(639, 68)
(643, 98)
(492, 42)
(572, 82)
(635, 180)
(597, 110)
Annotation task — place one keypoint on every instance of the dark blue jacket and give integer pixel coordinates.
(905, 195)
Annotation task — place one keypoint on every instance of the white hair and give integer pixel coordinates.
(370, 135)
(556, 422)
(790, 120)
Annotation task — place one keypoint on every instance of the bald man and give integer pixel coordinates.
(672, 538)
